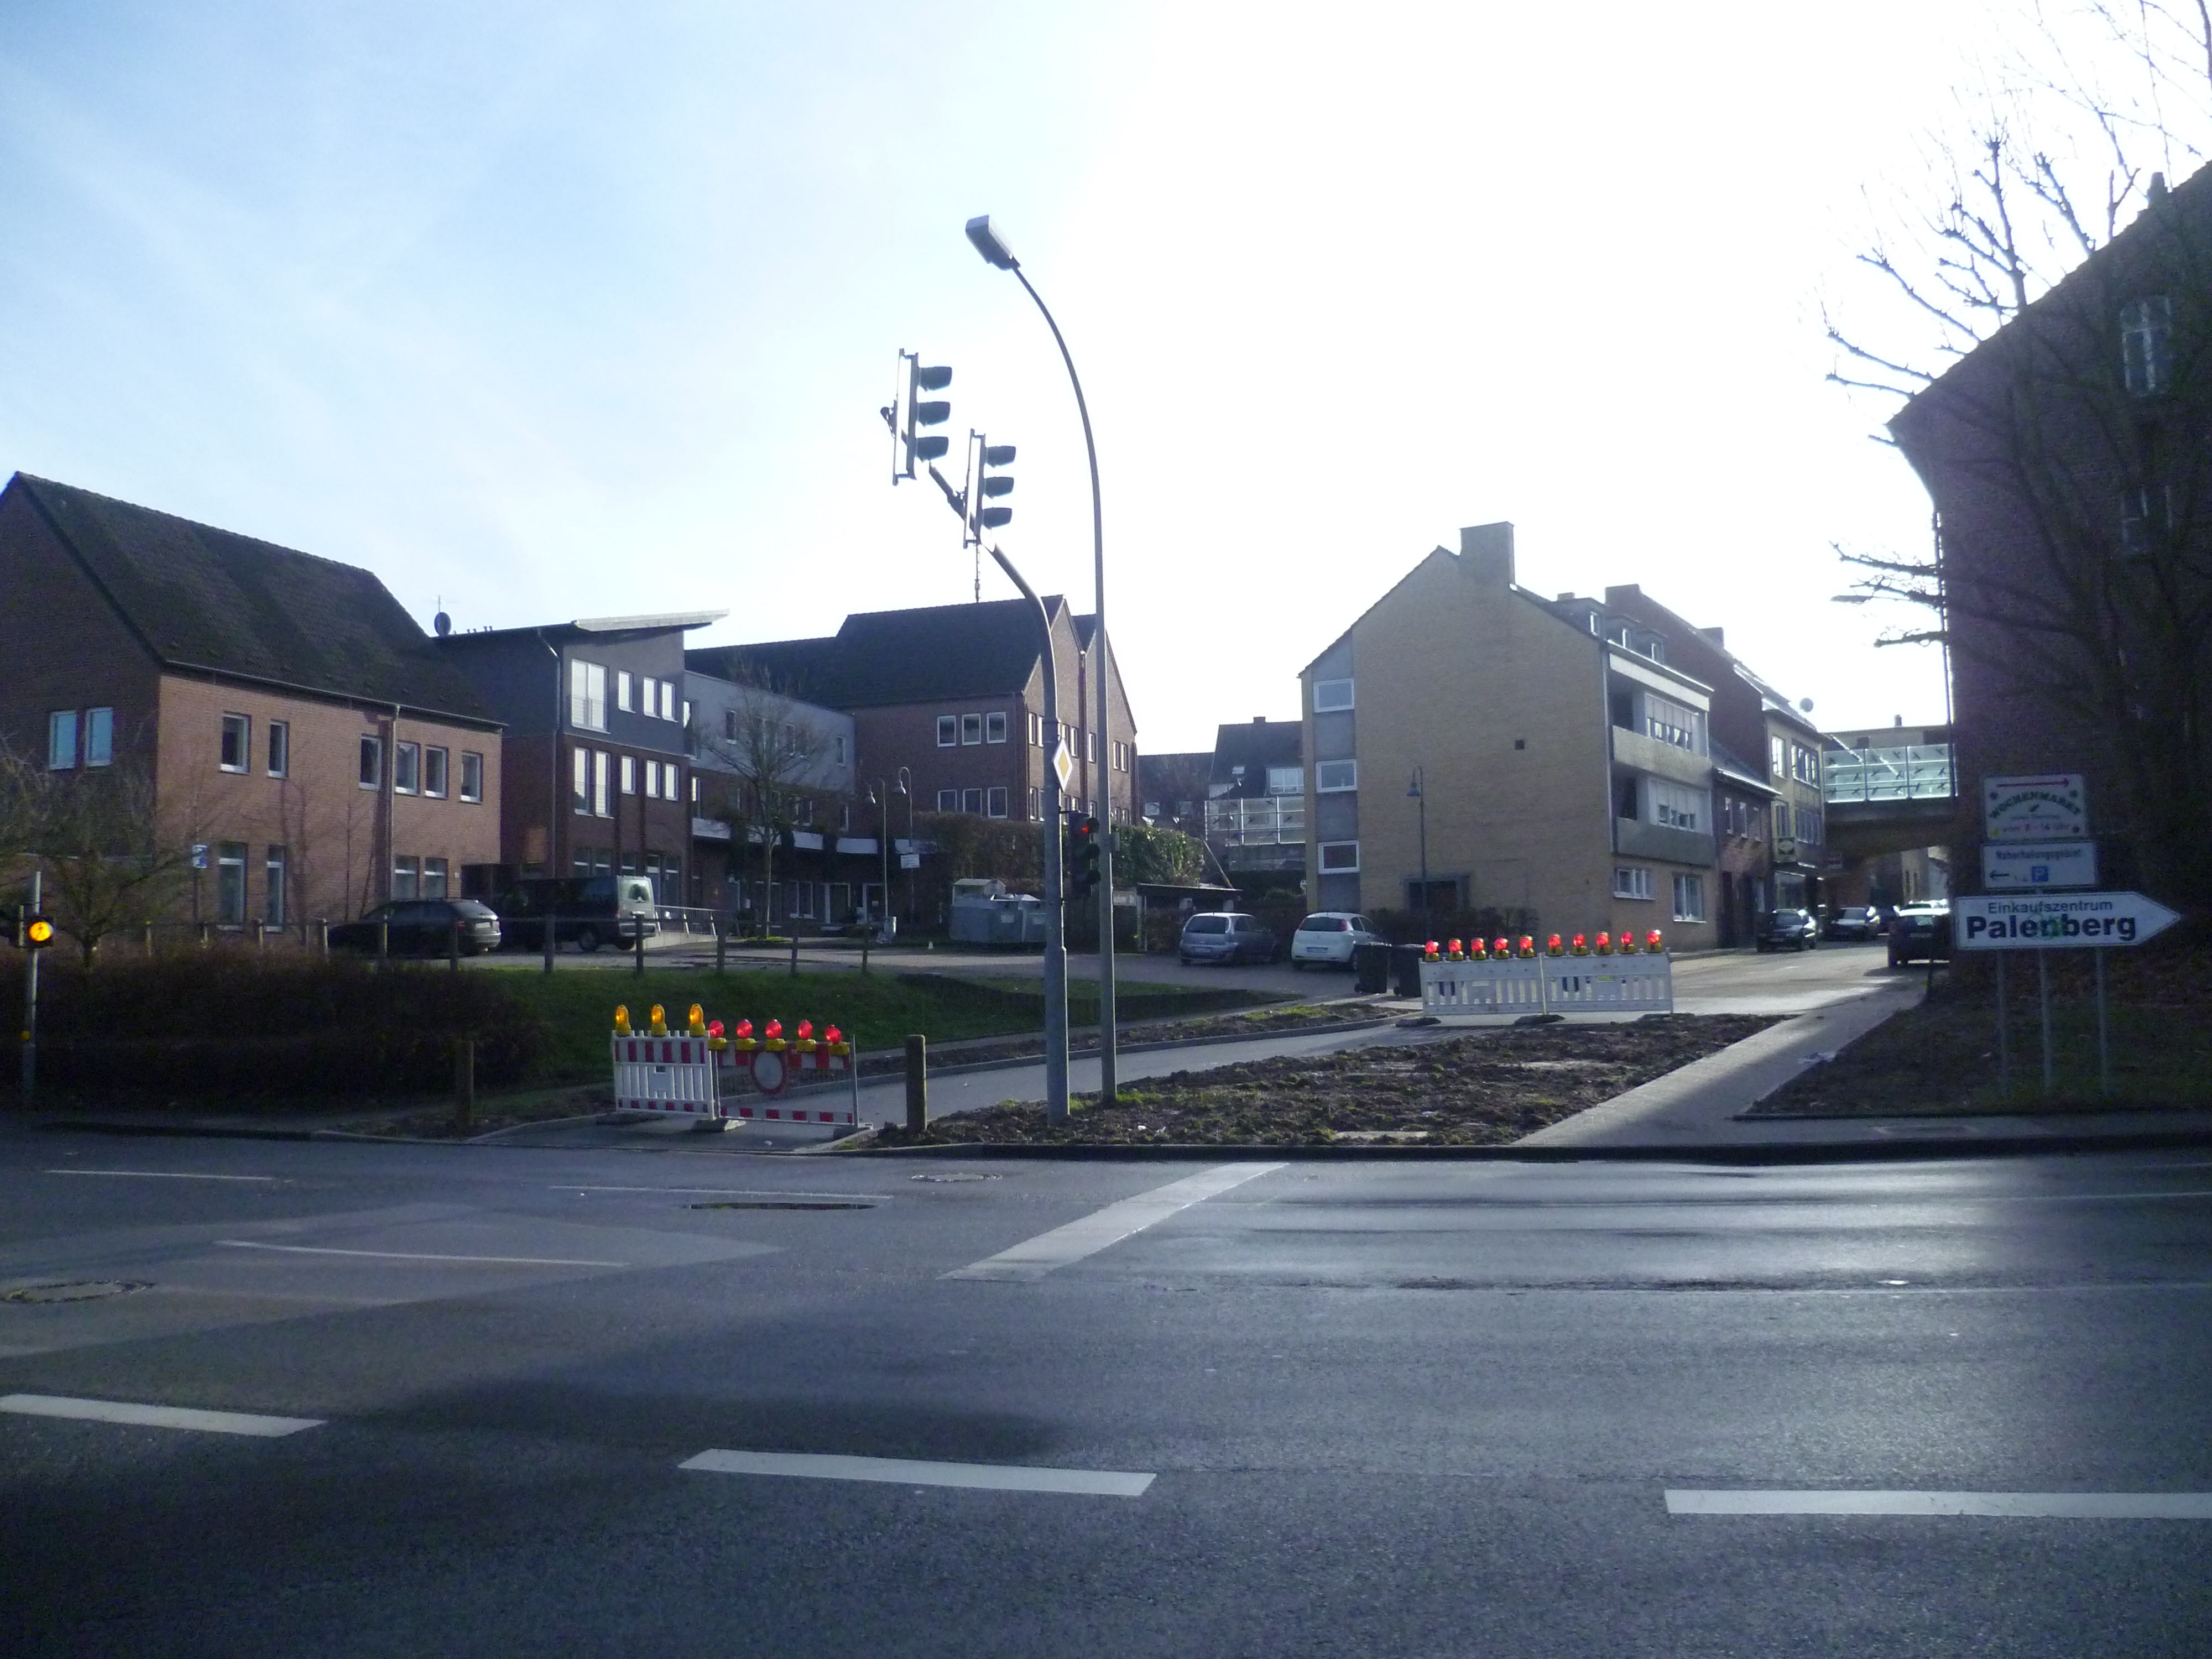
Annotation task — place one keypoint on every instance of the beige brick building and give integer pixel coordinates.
(1563, 772)
(294, 719)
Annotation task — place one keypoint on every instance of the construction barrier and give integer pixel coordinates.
(1511, 987)
(665, 1074)
(688, 1072)
(1514, 986)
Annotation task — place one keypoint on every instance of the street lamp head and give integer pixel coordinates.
(992, 246)
(1414, 785)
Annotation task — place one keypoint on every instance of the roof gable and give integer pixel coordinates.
(937, 654)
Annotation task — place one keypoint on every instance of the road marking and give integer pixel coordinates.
(2061, 1505)
(154, 1417)
(906, 1472)
(1036, 1257)
(161, 1175)
(720, 1192)
(416, 1255)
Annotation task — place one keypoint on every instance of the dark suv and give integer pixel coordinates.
(421, 927)
(588, 911)
(1795, 930)
(1920, 933)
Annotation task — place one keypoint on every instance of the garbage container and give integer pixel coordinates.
(1406, 969)
(1370, 969)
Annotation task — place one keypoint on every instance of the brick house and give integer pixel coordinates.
(1255, 803)
(955, 695)
(597, 772)
(1564, 773)
(294, 719)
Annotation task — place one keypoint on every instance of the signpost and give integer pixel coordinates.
(2034, 866)
(2046, 807)
(2056, 921)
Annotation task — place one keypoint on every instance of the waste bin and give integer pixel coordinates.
(1370, 969)
(1406, 969)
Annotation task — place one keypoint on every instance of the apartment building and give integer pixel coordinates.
(1255, 803)
(300, 730)
(1563, 772)
(596, 775)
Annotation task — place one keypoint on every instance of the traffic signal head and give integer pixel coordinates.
(38, 929)
(1083, 855)
(908, 412)
(987, 480)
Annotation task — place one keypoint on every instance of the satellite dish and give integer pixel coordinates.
(1804, 704)
(443, 624)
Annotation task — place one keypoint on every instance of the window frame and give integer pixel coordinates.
(971, 729)
(230, 858)
(370, 772)
(1692, 884)
(580, 784)
(994, 726)
(471, 793)
(994, 801)
(588, 694)
(276, 885)
(99, 738)
(1325, 689)
(278, 749)
(240, 726)
(1637, 884)
(624, 683)
(1350, 776)
(975, 795)
(407, 767)
(602, 800)
(2146, 345)
(1322, 849)
(437, 770)
(628, 775)
(948, 800)
(62, 757)
(948, 730)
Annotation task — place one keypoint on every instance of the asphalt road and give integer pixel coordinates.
(1377, 1408)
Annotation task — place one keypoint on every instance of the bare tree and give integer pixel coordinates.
(111, 861)
(2055, 388)
(770, 748)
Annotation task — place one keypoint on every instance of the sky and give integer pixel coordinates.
(569, 308)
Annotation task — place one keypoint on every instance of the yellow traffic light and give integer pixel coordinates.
(37, 931)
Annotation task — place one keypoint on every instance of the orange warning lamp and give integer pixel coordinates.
(698, 1020)
(621, 1019)
(659, 1020)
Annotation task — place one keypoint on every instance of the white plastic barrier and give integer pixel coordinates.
(773, 1070)
(665, 1074)
(1514, 986)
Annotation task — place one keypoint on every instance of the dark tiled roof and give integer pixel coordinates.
(207, 599)
(1255, 746)
(881, 658)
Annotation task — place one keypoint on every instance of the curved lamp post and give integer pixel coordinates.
(880, 799)
(994, 248)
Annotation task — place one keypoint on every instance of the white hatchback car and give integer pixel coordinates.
(1327, 938)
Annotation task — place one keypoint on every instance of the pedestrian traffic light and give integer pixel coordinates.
(1083, 855)
(38, 929)
(908, 412)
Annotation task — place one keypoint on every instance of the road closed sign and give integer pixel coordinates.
(2056, 921)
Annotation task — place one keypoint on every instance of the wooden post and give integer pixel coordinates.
(465, 1084)
(917, 1082)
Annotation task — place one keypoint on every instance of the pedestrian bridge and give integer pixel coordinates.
(1889, 800)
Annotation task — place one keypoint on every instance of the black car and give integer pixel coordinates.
(1791, 930)
(588, 911)
(1856, 922)
(1920, 933)
(421, 927)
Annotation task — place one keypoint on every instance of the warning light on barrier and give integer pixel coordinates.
(1502, 949)
(659, 1020)
(1551, 946)
(774, 1037)
(1581, 945)
(1452, 951)
(806, 1043)
(1432, 950)
(1651, 941)
(1477, 950)
(715, 1040)
(741, 1037)
(1527, 945)
(698, 1020)
(1605, 945)
(834, 1040)
(621, 1019)
(1628, 941)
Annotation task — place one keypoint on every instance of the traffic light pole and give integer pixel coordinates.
(30, 997)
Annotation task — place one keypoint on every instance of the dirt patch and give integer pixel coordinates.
(1258, 1023)
(1484, 1088)
(508, 1112)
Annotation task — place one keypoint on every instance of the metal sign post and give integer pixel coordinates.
(31, 999)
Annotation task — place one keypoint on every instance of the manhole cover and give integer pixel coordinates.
(88, 1289)
(775, 1204)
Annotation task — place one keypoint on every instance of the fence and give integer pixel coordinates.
(1514, 986)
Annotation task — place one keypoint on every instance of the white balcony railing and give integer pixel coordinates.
(1917, 772)
(1260, 821)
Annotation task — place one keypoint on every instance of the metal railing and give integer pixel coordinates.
(1257, 821)
(1915, 772)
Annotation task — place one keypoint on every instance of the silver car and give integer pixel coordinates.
(1225, 936)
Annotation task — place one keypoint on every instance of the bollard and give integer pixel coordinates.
(323, 938)
(453, 943)
(639, 923)
(864, 953)
(917, 1083)
(794, 952)
(722, 946)
(465, 1084)
(383, 940)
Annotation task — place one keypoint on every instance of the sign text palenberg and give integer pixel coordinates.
(2053, 921)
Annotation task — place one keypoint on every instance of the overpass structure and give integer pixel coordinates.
(1891, 813)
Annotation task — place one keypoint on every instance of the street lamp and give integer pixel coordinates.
(1420, 797)
(906, 788)
(993, 247)
(880, 799)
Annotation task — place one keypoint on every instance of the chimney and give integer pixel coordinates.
(1258, 719)
(1717, 636)
(1487, 552)
(2156, 193)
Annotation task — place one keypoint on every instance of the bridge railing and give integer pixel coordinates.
(1920, 771)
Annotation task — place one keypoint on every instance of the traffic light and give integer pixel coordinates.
(987, 482)
(38, 929)
(908, 412)
(1083, 852)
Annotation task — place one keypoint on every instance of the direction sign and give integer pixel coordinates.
(2056, 921)
(2049, 807)
(2026, 866)
(1063, 766)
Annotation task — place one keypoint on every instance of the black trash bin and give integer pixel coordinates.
(1370, 969)
(1406, 969)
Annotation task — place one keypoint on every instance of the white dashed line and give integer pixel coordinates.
(1033, 1258)
(154, 1417)
(717, 1191)
(161, 1175)
(903, 1472)
(416, 1255)
(2016, 1505)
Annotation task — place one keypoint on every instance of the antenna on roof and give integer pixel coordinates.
(442, 623)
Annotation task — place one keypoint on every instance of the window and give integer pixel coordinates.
(1286, 780)
(580, 794)
(695, 788)
(730, 725)
(1331, 695)
(433, 772)
(1036, 805)
(671, 783)
(1332, 775)
(433, 878)
(1808, 825)
(622, 690)
(1091, 747)
(237, 742)
(2146, 515)
(840, 749)
(995, 727)
(995, 802)
(276, 869)
(1778, 757)
(668, 700)
(1632, 882)
(948, 800)
(687, 713)
(61, 740)
(372, 762)
(629, 775)
(1339, 857)
(653, 780)
(406, 768)
(230, 884)
(948, 730)
(601, 804)
(588, 695)
(2146, 344)
(971, 728)
(971, 800)
(1036, 731)
(406, 877)
(1781, 820)
(279, 748)
(1674, 723)
(1676, 807)
(1804, 763)
(1689, 898)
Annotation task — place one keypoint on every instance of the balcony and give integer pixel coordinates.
(1917, 772)
(1260, 821)
(1634, 839)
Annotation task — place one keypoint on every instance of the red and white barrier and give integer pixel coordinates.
(665, 1074)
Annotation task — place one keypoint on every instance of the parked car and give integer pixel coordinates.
(421, 927)
(1327, 938)
(588, 911)
(1920, 933)
(1854, 921)
(1791, 930)
(1225, 936)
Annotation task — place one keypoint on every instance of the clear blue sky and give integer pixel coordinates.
(556, 309)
